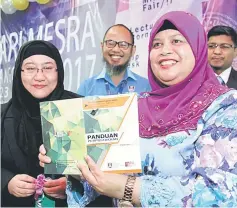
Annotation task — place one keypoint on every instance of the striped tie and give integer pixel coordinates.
(221, 80)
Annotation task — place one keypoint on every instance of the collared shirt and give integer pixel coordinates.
(96, 85)
(225, 75)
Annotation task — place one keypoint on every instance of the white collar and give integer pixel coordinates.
(225, 75)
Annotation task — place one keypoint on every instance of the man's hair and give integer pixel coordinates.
(223, 30)
(120, 25)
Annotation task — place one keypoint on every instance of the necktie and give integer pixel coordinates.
(221, 80)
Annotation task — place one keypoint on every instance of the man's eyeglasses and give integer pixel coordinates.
(32, 71)
(223, 46)
(121, 44)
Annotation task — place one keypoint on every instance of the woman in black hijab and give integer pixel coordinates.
(38, 76)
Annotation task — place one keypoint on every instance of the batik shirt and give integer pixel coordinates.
(194, 168)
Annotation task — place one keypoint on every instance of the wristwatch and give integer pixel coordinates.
(126, 201)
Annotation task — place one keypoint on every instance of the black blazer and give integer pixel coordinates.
(232, 81)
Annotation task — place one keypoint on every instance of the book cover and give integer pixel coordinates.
(63, 135)
(104, 127)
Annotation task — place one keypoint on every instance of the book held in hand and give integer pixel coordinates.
(104, 127)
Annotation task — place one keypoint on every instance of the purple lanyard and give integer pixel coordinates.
(124, 82)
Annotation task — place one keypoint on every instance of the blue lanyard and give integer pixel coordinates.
(120, 91)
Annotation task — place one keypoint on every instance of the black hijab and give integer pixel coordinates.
(25, 107)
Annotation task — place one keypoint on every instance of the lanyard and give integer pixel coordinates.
(120, 91)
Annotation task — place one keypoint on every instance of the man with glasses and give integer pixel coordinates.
(222, 42)
(117, 48)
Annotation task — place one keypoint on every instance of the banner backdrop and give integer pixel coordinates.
(77, 27)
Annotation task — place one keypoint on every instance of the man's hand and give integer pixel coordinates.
(22, 185)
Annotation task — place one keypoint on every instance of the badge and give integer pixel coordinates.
(131, 88)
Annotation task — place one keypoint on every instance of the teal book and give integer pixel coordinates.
(63, 135)
(104, 127)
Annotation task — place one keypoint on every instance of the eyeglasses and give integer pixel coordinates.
(223, 46)
(32, 71)
(121, 44)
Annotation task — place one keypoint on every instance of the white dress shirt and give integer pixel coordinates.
(225, 75)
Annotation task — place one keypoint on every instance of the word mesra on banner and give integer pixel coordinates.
(68, 31)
